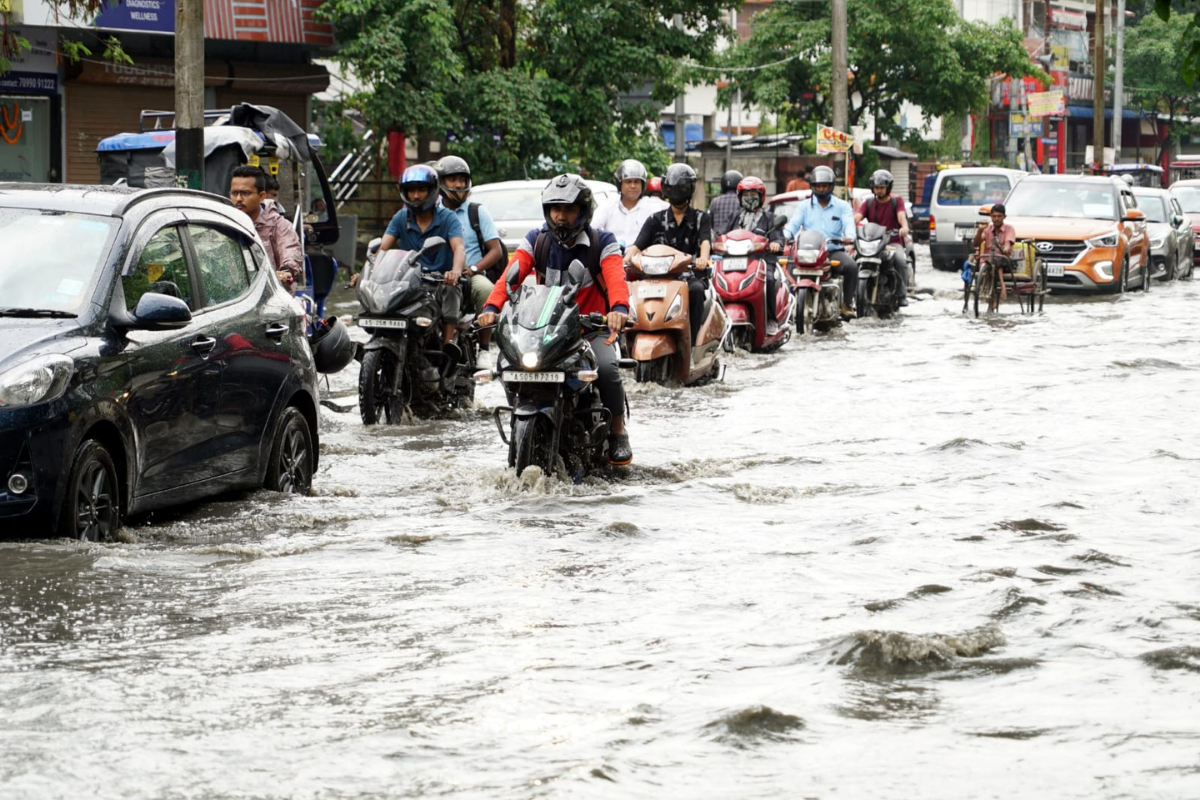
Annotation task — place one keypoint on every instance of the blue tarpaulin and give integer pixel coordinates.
(693, 133)
(1085, 112)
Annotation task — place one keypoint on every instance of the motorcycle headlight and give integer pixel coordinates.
(37, 381)
(808, 256)
(1110, 240)
(738, 247)
(676, 307)
(529, 360)
(869, 248)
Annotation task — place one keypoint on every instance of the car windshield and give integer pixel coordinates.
(52, 259)
(1154, 206)
(786, 208)
(968, 189)
(1064, 199)
(1189, 198)
(511, 204)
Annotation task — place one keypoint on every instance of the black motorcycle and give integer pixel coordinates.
(877, 280)
(548, 370)
(405, 365)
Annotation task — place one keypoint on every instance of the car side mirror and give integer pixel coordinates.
(1134, 215)
(160, 312)
(985, 211)
(1176, 220)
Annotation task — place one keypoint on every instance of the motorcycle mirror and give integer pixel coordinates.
(780, 221)
(374, 246)
(511, 277)
(432, 243)
(576, 271)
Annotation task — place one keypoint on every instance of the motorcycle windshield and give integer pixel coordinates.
(810, 240)
(393, 281)
(540, 329)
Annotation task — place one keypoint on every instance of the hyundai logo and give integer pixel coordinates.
(1045, 247)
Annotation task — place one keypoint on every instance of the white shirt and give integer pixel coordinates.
(626, 223)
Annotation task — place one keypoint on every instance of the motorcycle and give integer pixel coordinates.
(877, 281)
(818, 293)
(741, 262)
(660, 339)
(548, 369)
(405, 365)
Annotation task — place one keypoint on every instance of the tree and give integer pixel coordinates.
(1156, 56)
(523, 88)
(13, 46)
(915, 50)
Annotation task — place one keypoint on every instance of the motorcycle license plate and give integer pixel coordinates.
(396, 324)
(806, 273)
(513, 376)
(735, 264)
(1054, 270)
(652, 291)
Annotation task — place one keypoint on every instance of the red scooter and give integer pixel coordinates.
(740, 264)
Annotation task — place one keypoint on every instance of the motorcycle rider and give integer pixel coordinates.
(724, 208)
(548, 252)
(420, 219)
(685, 228)
(480, 239)
(625, 215)
(833, 217)
(754, 217)
(887, 210)
(654, 188)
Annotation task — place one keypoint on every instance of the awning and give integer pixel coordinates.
(693, 133)
(1086, 112)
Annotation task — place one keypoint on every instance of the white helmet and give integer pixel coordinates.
(632, 170)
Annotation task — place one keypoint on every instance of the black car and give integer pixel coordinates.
(149, 356)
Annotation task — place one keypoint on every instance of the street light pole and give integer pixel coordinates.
(838, 89)
(1098, 86)
(1119, 82)
(189, 93)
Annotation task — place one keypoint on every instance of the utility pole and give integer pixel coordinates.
(1098, 86)
(189, 93)
(1119, 83)
(841, 104)
(680, 122)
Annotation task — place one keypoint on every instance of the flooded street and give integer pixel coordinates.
(934, 557)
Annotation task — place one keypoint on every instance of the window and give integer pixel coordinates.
(221, 264)
(161, 268)
(972, 190)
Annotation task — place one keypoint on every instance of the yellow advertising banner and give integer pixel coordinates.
(1047, 104)
(831, 140)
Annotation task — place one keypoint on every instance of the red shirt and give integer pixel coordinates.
(886, 213)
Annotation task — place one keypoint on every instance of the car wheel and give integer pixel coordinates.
(1123, 282)
(92, 511)
(291, 467)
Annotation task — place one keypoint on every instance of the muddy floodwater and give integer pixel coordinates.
(935, 557)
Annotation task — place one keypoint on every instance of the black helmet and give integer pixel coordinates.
(679, 184)
(632, 170)
(419, 175)
(730, 180)
(822, 176)
(567, 189)
(332, 347)
(881, 177)
(453, 165)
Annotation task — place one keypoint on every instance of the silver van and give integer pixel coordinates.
(954, 209)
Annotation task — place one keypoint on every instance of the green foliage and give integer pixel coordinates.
(524, 88)
(1157, 57)
(915, 50)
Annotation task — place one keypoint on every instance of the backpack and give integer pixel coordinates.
(495, 271)
(872, 202)
(541, 248)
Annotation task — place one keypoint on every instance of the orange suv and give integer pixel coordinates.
(1088, 231)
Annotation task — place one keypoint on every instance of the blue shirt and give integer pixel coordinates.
(409, 236)
(471, 242)
(835, 220)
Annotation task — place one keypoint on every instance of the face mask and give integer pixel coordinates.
(750, 201)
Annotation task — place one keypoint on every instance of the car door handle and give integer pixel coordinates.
(276, 331)
(204, 344)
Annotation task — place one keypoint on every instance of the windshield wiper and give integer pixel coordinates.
(35, 312)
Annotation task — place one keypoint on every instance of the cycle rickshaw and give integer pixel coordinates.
(1024, 278)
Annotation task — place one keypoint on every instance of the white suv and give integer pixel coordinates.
(954, 209)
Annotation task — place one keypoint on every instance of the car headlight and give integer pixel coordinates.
(1104, 269)
(1109, 240)
(37, 381)
(1157, 243)
(676, 307)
